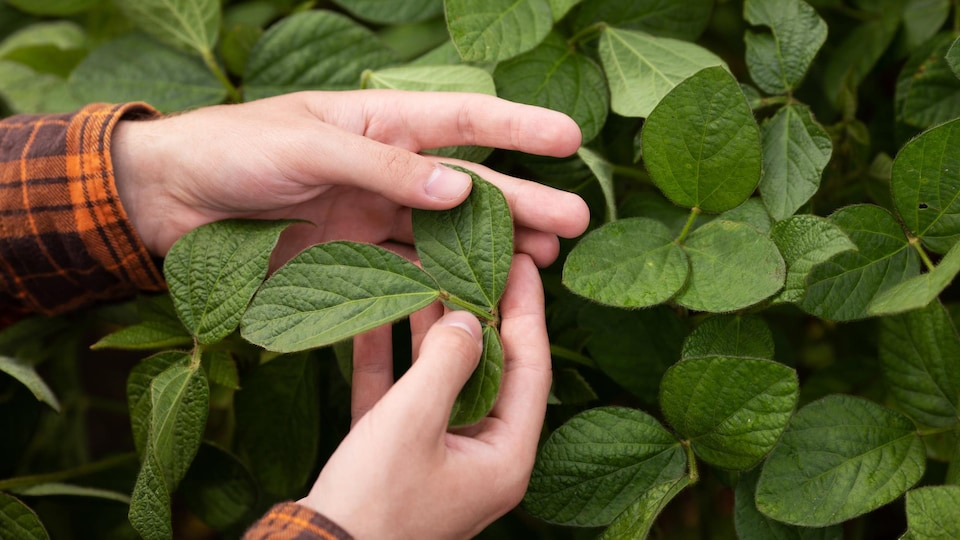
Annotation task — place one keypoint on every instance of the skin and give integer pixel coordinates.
(350, 163)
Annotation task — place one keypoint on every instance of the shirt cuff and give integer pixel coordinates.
(291, 521)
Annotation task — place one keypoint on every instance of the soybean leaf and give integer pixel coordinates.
(719, 282)
(333, 291)
(236, 45)
(641, 69)
(380, 12)
(842, 288)
(187, 24)
(139, 400)
(468, 249)
(702, 145)
(134, 67)
(928, 91)
(632, 263)
(457, 78)
(49, 489)
(953, 57)
(934, 512)
(495, 30)
(24, 372)
(751, 212)
(922, 19)
(796, 149)
(734, 336)
(570, 388)
(854, 57)
(603, 171)
(18, 520)
(926, 186)
(560, 8)
(221, 369)
(683, 21)
(53, 7)
(918, 291)
(752, 525)
(556, 76)
(856, 456)
(779, 60)
(635, 522)
(733, 410)
(480, 393)
(806, 241)
(278, 420)
(218, 488)
(159, 328)
(27, 91)
(600, 462)
(313, 50)
(47, 47)
(920, 352)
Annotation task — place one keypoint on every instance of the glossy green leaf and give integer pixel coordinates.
(27, 91)
(702, 145)
(719, 282)
(313, 50)
(934, 512)
(19, 520)
(458, 78)
(632, 263)
(928, 91)
(920, 352)
(856, 456)
(641, 68)
(918, 291)
(752, 525)
(796, 150)
(381, 12)
(139, 400)
(186, 24)
(603, 171)
(842, 288)
(733, 410)
(736, 336)
(218, 488)
(806, 241)
(53, 7)
(953, 57)
(600, 462)
(25, 373)
(468, 249)
(683, 21)
(556, 76)
(480, 393)
(779, 60)
(751, 212)
(496, 30)
(333, 291)
(636, 521)
(53, 489)
(134, 67)
(926, 186)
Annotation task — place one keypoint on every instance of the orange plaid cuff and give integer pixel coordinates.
(291, 521)
(65, 240)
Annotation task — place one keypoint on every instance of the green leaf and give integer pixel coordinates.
(480, 393)
(920, 352)
(218, 488)
(333, 291)
(145, 336)
(560, 8)
(603, 171)
(779, 60)
(641, 69)
(50, 489)
(139, 400)
(751, 212)
(842, 288)
(28, 91)
(840, 457)
(806, 241)
(719, 282)
(928, 91)
(186, 24)
(19, 521)
(926, 186)
(796, 150)
(214, 270)
(733, 410)
(495, 30)
(53, 7)
(47, 47)
(570, 388)
(380, 12)
(635, 522)
(554, 75)
(24, 372)
(468, 249)
(600, 462)
(458, 78)
(236, 45)
(854, 57)
(701, 144)
(685, 20)
(918, 291)
(221, 369)
(922, 19)
(136, 68)
(953, 57)
(752, 525)
(632, 263)
(736, 336)
(313, 50)
(278, 421)
(934, 512)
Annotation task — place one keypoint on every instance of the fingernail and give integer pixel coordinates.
(466, 321)
(445, 183)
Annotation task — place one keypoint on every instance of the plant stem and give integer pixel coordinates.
(691, 461)
(82, 470)
(935, 431)
(694, 212)
(630, 172)
(915, 242)
(591, 32)
(484, 315)
(573, 356)
(232, 93)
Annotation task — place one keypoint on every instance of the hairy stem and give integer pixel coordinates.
(915, 242)
(463, 304)
(691, 462)
(694, 212)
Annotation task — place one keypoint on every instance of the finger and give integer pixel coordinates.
(420, 323)
(542, 247)
(372, 370)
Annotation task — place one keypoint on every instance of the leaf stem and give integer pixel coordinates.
(591, 32)
(463, 304)
(573, 356)
(935, 431)
(630, 172)
(82, 470)
(694, 212)
(915, 242)
(232, 93)
(691, 461)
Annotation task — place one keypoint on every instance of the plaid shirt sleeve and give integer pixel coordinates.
(291, 521)
(65, 240)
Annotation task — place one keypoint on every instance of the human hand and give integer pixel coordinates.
(346, 161)
(399, 473)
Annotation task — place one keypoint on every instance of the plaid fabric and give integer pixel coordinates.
(65, 240)
(291, 521)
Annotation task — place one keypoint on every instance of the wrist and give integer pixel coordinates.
(134, 176)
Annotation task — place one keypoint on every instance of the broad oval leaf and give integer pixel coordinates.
(642, 68)
(218, 487)
(636, 521)
(751, 212)
(187, 24)
(456, 78)
(719, 282)
(603, 171)
(25, 373)
(47, 47)
(733, 410)
(468, 249)
(840, 457)
(53, 7)
(681, 20)
(752, 525)
(333, 291)
(26, 90)
(631, 262)
(560, 8)
(600, 462)
(19, 520)
(806, 241)
(841, 288)
(702, 145)
(934, 512)
(380, 12)
(735, 336)
(496, 30)
(313, 50)
(480, 392)
(778, 61)
(928, 91)
(926, 186)
(918, 291)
